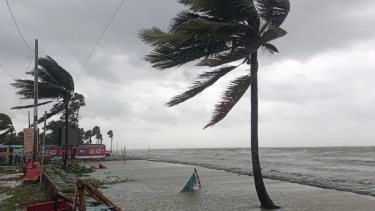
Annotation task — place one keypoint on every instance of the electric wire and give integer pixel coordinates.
(99, 40)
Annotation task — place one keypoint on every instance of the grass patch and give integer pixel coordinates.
(109, 180)
(77, 169)
(22, 196)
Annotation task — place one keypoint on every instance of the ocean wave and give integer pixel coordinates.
(359, 187)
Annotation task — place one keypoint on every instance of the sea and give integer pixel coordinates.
(349, 169)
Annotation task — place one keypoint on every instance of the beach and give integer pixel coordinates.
(158, 185)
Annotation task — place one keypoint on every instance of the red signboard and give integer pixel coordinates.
(28, 140)
(83, 151)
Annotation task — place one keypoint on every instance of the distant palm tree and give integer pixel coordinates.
(95, 132)
(88, 135)
(219, 33)
(99, 138)
(110, 134)
(56, 85)
(6, 128)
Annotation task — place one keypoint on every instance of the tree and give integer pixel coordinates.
(219, 33)
(75, 104)
(88, 135)
(110, 134)
(6, 128)
(56, 85)
(91, 133)
(99, 138)
(96, 132)
(81, 136)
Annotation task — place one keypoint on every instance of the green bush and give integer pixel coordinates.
(77, 169)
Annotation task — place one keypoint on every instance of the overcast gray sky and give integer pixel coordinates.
(319, 91)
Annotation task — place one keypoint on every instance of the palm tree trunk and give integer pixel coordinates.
(265, 200)
(111, 144)
(10, 142)
(66, 134)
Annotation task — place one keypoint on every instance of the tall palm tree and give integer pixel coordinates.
(6, 128)
(110, 134)
(56, 85)
(219, 33)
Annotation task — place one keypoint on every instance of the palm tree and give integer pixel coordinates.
(110, 134)
(88, 135)
(56, 85)
(99, 138)
(95, 132)
(219, 33)
(91, 133)
(6, 128)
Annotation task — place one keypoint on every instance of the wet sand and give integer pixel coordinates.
(158, 185)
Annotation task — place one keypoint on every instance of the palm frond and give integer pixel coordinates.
(185, 16)
(45, 90)
(273, 11)
(223, 10)
(272, 33)
(5, 119)
(165, 57)
(194, 40)
(7, 132)
(156, 37)
(227, 57)
(202, 82)
(59, 74)
(204, 29)
(251, 45)
(230, 97)
(110, 133)
(270, 48)
(31, 106)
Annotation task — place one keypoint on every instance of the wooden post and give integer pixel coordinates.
(148, 154)
(124, 154)
(75, 198)
(55, 202)
(82, 203)
(199, 181)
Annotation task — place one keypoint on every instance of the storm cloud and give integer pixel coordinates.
(318, 91)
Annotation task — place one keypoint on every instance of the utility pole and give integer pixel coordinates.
(44, 141)
(35, 106)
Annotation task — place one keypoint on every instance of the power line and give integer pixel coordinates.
(6, 71)
(99, 39)
(29, 66)
(19, 31)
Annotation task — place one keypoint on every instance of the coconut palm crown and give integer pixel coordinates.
(56, 86)
(6, 125)
(221, 34)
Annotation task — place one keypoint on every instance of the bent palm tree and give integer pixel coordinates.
(88, 135)
(110, 134)
(218, 33)
(56, 85)
(6, 128)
